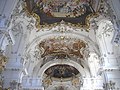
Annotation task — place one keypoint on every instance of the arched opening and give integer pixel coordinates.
(62, 71)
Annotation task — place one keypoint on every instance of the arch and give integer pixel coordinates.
(38, 39)
(47, 34)
(40, 71)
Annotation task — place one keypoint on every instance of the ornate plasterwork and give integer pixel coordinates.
(47, 81)
(7, 35)
(39, 71)
(58, 31)
(76, 82)
(108, 29)
(106, 10)
(20, 20)
(3, 60)
(34, 57)
(17, 29)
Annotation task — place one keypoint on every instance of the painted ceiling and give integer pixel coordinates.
(62, 48)
(55, 11)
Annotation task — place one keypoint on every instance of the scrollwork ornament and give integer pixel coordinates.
(47, 82)
(3, 61)
(75, 82)
(108, 29)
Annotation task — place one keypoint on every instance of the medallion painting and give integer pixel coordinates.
(55, 11)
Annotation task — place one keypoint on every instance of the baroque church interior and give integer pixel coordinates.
(59, 44)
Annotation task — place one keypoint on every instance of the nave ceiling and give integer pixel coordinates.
(58, 41)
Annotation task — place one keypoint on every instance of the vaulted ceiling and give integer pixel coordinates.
(59, 39)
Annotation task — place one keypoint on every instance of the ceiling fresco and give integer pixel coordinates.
(62, 71)
(63, 48)
(54, 11)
